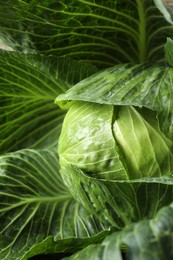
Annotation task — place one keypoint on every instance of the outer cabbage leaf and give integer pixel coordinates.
(101, 32)
(37, 213)
(148, 239)
(28, 87)
(144, 85)
(119, 202)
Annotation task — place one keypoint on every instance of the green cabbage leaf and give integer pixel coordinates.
(147, 239)
(103, 33)
(37, 213)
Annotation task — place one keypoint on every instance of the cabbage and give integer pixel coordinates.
(114, 142)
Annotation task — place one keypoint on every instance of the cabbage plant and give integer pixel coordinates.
(118, 140)
(86, 129)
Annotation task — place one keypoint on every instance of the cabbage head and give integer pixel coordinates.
(114, 142)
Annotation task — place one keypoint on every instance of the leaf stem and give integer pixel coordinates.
(142, 43)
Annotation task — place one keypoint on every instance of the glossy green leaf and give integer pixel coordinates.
(101, 32)
(28, 87)
(144, 85)
(124, 84)
(118, 202)
(37, 212)
(148, 239)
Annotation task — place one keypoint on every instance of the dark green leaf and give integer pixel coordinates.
(146, 240)
(101, 32)
(28, 87)
(37, 213)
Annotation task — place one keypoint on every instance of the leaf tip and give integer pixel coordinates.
(63, 103)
